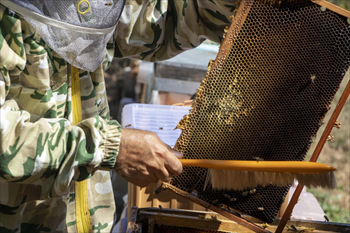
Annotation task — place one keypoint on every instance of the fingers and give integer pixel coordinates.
(163, 174)
(172, 162)
(140, 183)
(139, 178)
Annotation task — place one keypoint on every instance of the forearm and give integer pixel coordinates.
(164, 28)
(51, 153)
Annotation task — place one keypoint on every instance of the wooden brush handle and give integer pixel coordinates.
(296, 167)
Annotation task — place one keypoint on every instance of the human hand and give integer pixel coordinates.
(143, 158)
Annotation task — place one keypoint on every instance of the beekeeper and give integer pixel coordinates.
(45, 159)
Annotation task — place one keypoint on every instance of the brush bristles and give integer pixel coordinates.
(240, 180)
(324, 180)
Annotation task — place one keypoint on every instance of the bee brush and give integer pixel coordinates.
(239, 175)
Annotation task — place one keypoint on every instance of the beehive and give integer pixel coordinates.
(265, 96)
(155, 220)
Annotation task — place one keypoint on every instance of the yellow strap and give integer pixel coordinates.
(82, 212)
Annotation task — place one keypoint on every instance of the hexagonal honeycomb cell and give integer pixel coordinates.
(265, 96)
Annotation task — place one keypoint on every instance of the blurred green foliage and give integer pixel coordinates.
(328, 202)
(342, 3)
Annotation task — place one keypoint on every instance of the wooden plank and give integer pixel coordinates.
(243, 222)
(201, 221)
(179, 73)
(319, 226)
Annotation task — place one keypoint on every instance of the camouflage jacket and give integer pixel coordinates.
(41, 151)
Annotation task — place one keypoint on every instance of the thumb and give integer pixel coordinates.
(172, 162)
(179, 155)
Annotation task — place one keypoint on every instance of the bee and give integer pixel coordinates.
(135, 228)
(224, 35)
(160, 207)
(261, 208)
(282, 200)
(226, 29)
(245, 112)
(160, 128)
(127, 126)
(201, 216)
(313, 139)
(227, 196)
(245, 193)
(330, 137)
(215, 201)
(265, 225)
(326, 218)
(337, 124)
(232, 199)
(313, 77)
(214, 217)
(238, 214)
(210, 63)
(252, 191)
(258, 159)
(108, 4)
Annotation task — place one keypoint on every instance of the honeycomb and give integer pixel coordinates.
(265, 96)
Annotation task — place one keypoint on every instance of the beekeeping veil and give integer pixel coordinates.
(78, 30)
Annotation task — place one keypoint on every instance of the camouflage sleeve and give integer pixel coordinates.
(46, 155)
(41, 153)
(160, 29)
